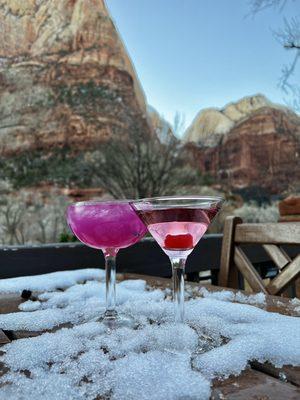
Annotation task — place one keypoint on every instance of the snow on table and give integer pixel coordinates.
(159, 360)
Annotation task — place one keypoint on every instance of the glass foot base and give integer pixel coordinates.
(113, 320)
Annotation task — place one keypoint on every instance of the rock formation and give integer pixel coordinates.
(162, 128)
(66, 83)
(251, 143)
(211, 123)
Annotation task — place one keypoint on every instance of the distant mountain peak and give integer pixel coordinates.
(211, 123)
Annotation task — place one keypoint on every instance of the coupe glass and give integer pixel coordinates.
(177, 224)
(109, 226)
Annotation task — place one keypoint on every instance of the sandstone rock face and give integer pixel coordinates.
(210, 124)
(161, 127)
(259, 150)
(66, 81)
(208, 128)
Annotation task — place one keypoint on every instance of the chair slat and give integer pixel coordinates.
(271, 236)
(227, 253)
(248, 271)
(283, 233)
(280, 258)
(281, 281)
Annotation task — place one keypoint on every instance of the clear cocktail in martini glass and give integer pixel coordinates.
(109, 226)
(177, 224)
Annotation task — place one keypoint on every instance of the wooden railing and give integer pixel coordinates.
(145, 257)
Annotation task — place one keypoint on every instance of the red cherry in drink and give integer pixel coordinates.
(178, 242)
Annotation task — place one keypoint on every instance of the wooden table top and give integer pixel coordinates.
(258, 382)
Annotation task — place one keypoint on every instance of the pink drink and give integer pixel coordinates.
(109, 226)
(177, 224)
(177, 230)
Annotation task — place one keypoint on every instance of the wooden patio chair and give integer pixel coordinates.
(271, 236)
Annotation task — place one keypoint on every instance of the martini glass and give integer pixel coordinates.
(177, 224)
(109, 226)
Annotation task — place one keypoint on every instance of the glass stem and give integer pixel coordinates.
(110, 272)
(178, 265)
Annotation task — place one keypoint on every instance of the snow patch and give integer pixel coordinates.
(159, 360)
(52, 281)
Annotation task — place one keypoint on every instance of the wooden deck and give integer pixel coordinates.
(258, 382)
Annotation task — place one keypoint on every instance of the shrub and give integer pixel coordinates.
(252, 212)
(66, 237)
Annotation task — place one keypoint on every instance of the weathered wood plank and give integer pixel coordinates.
(228, 277)
(9, 303)
(280, 258)
(289, 373)
(248, 271)
(14, 335)
(268, 235)
(254, 385)
(21, 334)
(3, 338)
(283, 233)
(286, 276)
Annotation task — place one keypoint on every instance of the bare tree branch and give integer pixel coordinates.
(140, 165)
(289, 37)
(291, 46)
(257, 6)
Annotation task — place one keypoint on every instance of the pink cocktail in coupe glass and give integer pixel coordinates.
(177, 224)
(109, 226)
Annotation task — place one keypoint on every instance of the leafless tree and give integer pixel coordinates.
(49, 218)
(12, 223)
(289, 37)
(25, 221)
(142, 165)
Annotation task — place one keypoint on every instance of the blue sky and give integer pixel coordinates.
(193, 54)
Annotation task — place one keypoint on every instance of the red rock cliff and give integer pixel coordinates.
(65, 76)
(260, 149)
